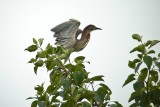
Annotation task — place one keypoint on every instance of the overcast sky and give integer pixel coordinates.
(108, 49)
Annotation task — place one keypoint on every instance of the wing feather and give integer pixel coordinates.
(66, 32)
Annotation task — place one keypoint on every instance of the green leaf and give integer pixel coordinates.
(63, 56)
(97, 78)
(34, 103)
(107, 97)
(77, 97)
(148, 61)
(62, 93)
(150, 82)
(87, 94)
(40, 89)
(129, 79)
(87, 80)
(118, 104)
(79, 59)
(54, 97)
(34, 41)
(148, 43)
(55, 100)
(154, 75)
(55, 77)
(70, 67)
(58, 50)
(66, 51)
(136, 37)
(132, 64)
(79, 67)
(32, 60)
(113, 105)
(100, 94)
(31, 98)
(154, 42)
(50, 65)
(140, 56)
(73, 88)
(134, 105)
(106, 87)
(85, 104)
(64, 104)
(42, 54)
(143, 74)
(159, 55)
(39, 63)
(155, 96)
(66, 83)
(140, 48)
(134, 95)
(137, 67)
(79, 76)
(155, 59)
(157, 64)
(151, 52)
(50, 89)
(50, 49)
(139, 85)
(136, 60)
(32, 48)
(158, 83)
(41, 104)
(35, 69)
(40, 41)
(143, 100)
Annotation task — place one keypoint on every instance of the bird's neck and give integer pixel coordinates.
(85, 35)
(82, 42)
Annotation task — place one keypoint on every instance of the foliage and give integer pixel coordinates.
(146, 74)
(70, 84)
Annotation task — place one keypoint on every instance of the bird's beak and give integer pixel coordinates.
(98, 28)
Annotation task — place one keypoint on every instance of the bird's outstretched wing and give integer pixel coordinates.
(66, 33)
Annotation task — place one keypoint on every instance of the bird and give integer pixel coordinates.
(67, 33)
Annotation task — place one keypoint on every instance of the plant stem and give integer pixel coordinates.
(61, 65)
(147, 84)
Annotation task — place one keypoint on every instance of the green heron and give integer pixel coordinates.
(67, 35)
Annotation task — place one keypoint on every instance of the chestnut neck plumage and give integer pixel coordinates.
(85, 34)
(83, 41)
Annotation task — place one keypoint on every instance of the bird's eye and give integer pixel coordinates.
(93, 28)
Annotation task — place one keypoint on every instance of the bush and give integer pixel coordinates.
(146, 78)
(70, 84)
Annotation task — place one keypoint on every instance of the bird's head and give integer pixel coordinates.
(92, 27)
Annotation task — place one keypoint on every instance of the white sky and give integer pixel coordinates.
(108, 50)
